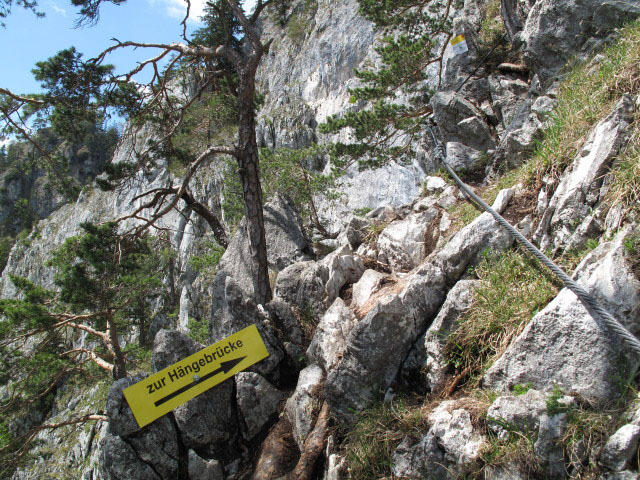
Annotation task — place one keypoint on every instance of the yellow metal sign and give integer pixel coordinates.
(160, 393)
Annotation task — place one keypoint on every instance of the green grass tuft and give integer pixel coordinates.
(370, 445)
(514, 288)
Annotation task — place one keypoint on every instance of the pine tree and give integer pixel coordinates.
(395, 96)
(102, 282)
(223, 64)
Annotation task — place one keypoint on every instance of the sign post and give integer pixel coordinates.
(160, 393)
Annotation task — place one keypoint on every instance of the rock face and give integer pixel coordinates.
(539, 355)
(428, 353)
(285, 235)
(257, 400)
(460, 121)
(555, 31)
(131, 452)
(346, 334)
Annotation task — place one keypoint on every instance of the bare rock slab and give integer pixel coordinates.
(257, 400)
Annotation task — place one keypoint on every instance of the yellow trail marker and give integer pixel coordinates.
(160, 393)
(459, 45)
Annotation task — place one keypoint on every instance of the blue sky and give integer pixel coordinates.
(28, 39)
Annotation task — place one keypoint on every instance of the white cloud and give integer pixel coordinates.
(58, 9)
(178, 8)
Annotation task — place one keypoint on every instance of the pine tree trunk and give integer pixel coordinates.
(119, 364)
(249, 172)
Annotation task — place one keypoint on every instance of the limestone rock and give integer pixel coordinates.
(547, 447)
(465, 161)
(380, 342)
(434, 184)
(365, 287)
(521, 412)
(402, 243)
(539, 355)
(201, 469)
(304, 405)
(337, 468)
(121, 419)
(460, 121)
(624, 475)
(257, 400)
(120, 461)
(428, 353)
(232, 311)
(620, 447)
(507, 472)
(556, 31)
(315, 285)
(579, 189)
(507, 95)
(286, 240)
(330, 338)
(355, 232)
(448, 446)
(481, 234)
(130, 449)
(515, 13)
(523, 132)
(206, 421)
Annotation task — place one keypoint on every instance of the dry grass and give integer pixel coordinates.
(625, 175)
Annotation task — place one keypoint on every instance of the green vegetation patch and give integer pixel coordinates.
(513, 289)
(370, 445)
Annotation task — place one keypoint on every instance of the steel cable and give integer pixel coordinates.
(587, 299)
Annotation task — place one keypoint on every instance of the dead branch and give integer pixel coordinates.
(102, 363)
(313, 447)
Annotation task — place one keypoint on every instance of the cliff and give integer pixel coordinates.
(420, 342)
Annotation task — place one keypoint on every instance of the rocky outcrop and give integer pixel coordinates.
(379, 343)
(539, 355)
(556, 31)
(580, 190)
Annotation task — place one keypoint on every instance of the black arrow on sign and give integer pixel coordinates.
(225, 367)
